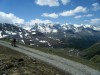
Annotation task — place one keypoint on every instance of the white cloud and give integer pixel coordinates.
(77, 17)
(89, 15)
(51, 3)
(64, 2)
(38, 21)
(95, 21)
(80, 16)
(52, 15)
(96, 6)
(47, 2)
(10, 18)
(73, 12)
(80, 9)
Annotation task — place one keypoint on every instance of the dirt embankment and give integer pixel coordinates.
(15, 63)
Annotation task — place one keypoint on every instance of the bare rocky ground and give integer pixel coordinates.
(15, 63)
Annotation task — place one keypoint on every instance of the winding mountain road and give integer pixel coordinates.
(66, 65)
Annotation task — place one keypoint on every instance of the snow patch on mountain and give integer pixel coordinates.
(43, 41)
(0, 34)
(54, 28)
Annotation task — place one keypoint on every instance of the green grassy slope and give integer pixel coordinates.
(91, 51)
(96, 59)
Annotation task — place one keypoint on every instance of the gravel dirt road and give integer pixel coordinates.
(66, 65)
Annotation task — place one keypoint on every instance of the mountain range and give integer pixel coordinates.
(52, 35)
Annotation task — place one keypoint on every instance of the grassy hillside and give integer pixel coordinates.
(15, 63)
(63, 53)
(96, 59)
(91, 51)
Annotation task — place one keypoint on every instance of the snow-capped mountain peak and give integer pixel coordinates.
(49, 28)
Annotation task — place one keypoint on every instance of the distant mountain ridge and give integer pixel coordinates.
(53, 35)
(77, 36)
(47, 28)
(13, 31)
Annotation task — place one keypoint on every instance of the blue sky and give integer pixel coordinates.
(41, 11)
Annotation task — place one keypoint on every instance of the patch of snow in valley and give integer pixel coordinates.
(20, 34)
(43, 41)
(31, 44)
(30, 40)
(4, 36)
(27, 28)
(97, 28)
(54, 30)
(26, 34)
(49, 44)
(33, 33)
(37, 39)
(0, 34)
(13, 33)
(22, 41)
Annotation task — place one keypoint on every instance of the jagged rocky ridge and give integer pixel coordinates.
(53, 35)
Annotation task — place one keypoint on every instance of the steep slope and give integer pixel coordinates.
(92, 52)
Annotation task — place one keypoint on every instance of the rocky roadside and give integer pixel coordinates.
(15, 63)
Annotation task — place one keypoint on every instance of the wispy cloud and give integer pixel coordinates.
(65, 2)
(77, 17)
(73, 12)
(39, 21)
(10, 18)
(96, 6)
(95, 21)
(80, 16)
(52, 15)
(89, 15)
